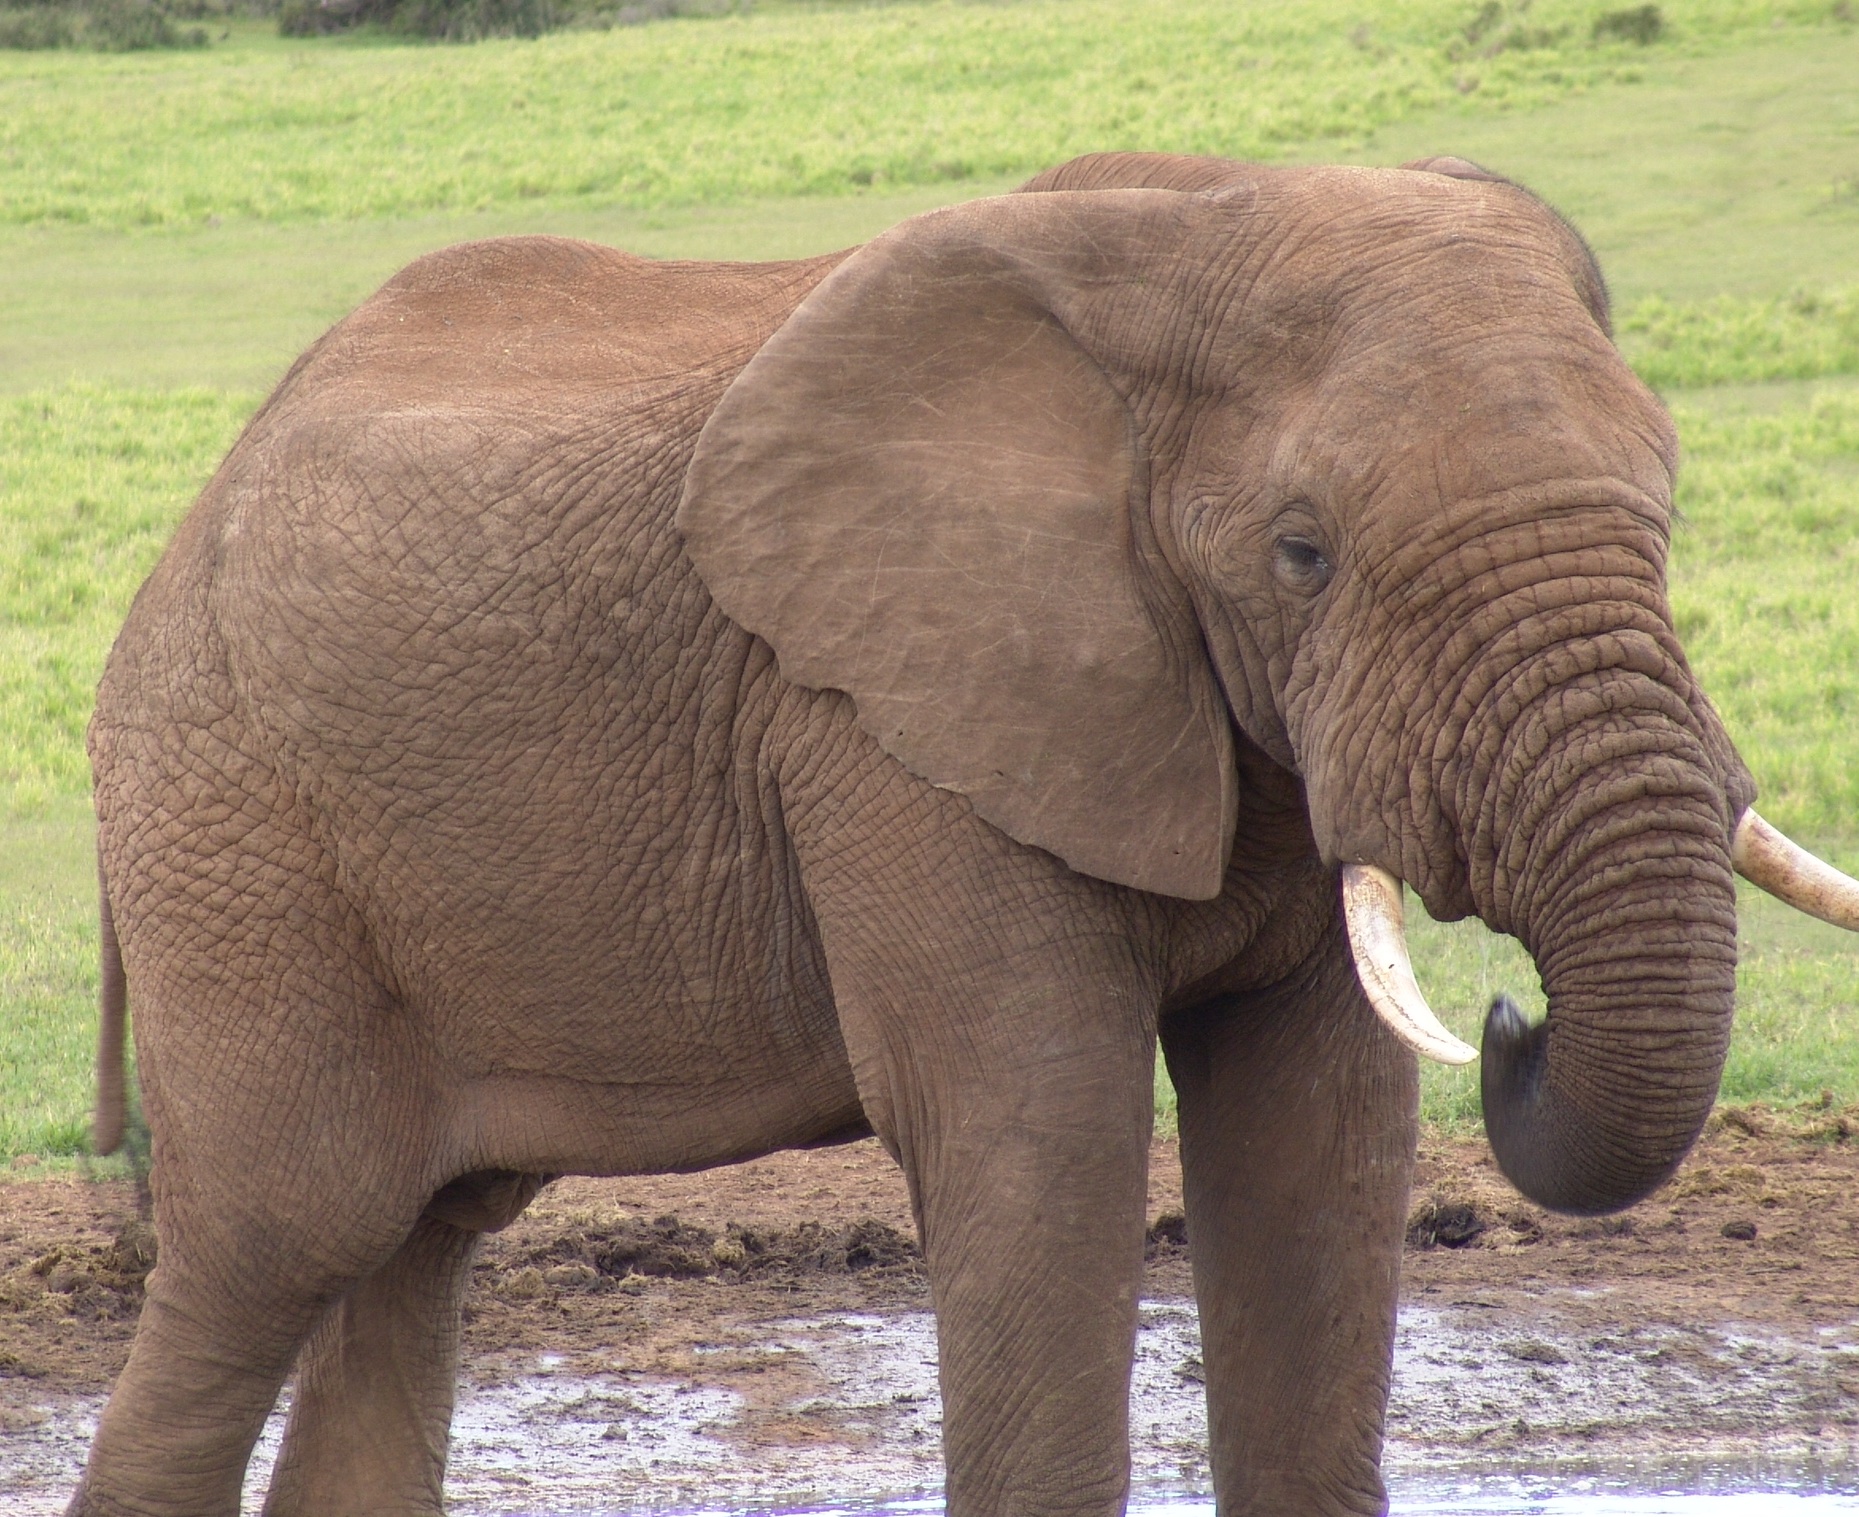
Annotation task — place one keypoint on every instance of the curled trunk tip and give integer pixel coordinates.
(1549, 1154)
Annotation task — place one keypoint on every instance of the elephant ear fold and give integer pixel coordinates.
(924, 492)
(1586, 267)
(1455, 168)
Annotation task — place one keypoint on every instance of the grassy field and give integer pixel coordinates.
(48, 979)
(1718, 189)
(1713, 171)
(788, 100)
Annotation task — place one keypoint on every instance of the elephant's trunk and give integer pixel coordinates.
(1626, 900)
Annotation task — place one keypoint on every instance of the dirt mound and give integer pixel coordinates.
(1167, 1238)
(92, 1282)
(606, 1255)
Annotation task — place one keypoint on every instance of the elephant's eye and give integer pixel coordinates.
(1300, 565)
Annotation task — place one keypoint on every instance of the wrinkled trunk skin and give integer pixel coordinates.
(1627, 904)
(1550, 765)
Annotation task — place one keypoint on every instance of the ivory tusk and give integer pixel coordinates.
(1372, 910)
(1766, 858)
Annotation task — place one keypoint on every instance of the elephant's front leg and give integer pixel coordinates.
(1298, 1116)
(1030, 1187)
(1008, 1062)
(1026, 1147)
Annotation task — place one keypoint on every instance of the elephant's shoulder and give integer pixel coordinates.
(493, 379)
(547, 325)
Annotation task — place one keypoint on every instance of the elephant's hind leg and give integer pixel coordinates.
(292, 1117)
(237, 1289)
(373, 1402)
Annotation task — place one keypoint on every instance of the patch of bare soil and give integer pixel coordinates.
(1716, 1324)
(1760, 1227)
(629, 1274)
(678, 1279)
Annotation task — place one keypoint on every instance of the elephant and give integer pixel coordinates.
(609, 716)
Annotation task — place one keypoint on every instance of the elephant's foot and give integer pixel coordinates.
(373, 1403)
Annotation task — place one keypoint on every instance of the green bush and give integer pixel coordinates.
(106, 26)
(1498, 28)
(442, 20)
(473, 20)
(1639, 23)
(36, 27)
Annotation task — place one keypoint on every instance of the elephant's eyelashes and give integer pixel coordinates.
(1301, 565)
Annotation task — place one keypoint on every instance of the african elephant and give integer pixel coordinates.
(609, 716)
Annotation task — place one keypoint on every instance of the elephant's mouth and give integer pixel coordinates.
(1377, 935)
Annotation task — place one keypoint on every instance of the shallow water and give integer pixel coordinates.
(1486, 1420)
(1512, 1500)
(1507, 1498)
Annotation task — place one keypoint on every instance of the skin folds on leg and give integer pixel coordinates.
(1027, 1163)
(266, 1210)
(1004, 1052)
(374, 1390)
(1298, 1126)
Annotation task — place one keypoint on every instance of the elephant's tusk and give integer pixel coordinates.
(1790, 873)
(1372, 909)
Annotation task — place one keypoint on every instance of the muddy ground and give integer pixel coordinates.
(762, 1331)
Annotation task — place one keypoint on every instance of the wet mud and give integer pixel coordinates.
(761, 1337)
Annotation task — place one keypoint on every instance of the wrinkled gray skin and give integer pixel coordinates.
(552, 746)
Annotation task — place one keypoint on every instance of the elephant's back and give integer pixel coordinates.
(452, 526)
(522, 323)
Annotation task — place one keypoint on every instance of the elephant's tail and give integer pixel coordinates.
(112, 1112)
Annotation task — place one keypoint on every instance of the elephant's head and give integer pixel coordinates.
(1062, 487)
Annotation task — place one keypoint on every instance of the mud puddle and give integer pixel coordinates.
(1534, 1415)
(1517, 1501)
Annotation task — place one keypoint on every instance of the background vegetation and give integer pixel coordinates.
(176, 226)
(788, 101)
(107, 26)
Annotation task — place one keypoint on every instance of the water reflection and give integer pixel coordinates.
(1575, 1503)
(1505, 1498)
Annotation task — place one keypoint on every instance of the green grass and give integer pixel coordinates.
(92, 483)
(1765, 593)
(1709, 235)
(1712, 174)
(785, 101)
(1680, 210)
(1728, 340)
(48, 982)
(1733, 173)
(231, 306)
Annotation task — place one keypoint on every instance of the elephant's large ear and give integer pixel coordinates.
(923, 491)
